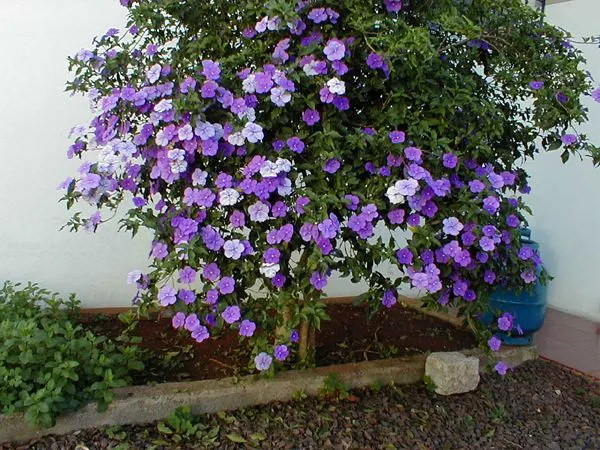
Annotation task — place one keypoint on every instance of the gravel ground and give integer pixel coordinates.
(539, 406)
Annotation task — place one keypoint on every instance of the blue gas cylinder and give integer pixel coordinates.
(527, 308)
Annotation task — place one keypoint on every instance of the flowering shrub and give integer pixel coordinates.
(264, 145)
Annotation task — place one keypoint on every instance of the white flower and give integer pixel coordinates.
(261, 25)
(162, 138)
(336, 86)
(269, 169)
(249, 84)
(204, 130)
(248, 114)
(78, 131)
(108, 162)
(178, 166)
(309, 69)
(253, 132)
(259, 212)
(153, 73)
(177, 154)
(394, 195)
(283, 165)
(199, 177)
(280, 96)
(185, 133)
(125, 148)
(236, 139)
(134, 276)
(233, 249)
(228, 197)
(164, 106)
(285, 189)
(269, 270)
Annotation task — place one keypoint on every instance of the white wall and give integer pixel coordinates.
(35, 116)
(566, 199)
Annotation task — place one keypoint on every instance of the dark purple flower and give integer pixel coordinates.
(374, 61)
(536, 85)
(397, 137)
(396, 216)
(226, 285)
(295, 144)
(311, 117)
(449, 160)
(318, 280)
(505, 322)
(281, 352)
(390, 298)
(404, 256)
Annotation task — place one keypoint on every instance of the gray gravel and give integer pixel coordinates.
(539, 406)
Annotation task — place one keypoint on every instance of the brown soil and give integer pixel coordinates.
(351, 336)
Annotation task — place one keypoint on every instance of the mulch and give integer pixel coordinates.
(540, 405)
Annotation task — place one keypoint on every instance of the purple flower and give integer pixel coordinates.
(561, 97)
(281, 352)
(452, 226)
(390, 298)
(525, 253)
(397, 137)
(569, 139)
(188, 297)
(318, 280)
(294, 336)
(159, 250)
(301, 202)
(374, 61)
(212, 296)
(191, 322)
(505, 322)
(393, 6)
(263, 361)
(396, 216)
(178, 320)
(476, 186)
(209, 89)
(449, 160)
(501, 368)
(247, 328)
(167, 295)
(226, 285)
(335, 50)
(494, 343)
(596, 94)
(412, 153)
(491, 204)
(332, 165)
(487, 244)
(404, 256)
(187, 275)
(536, 85)
(311, 117)
(513, 221)
(278, 280)
(489, 277)
(231, 314)
(211, 272)
(259, 212)
(272, 255)
(295, 144)
(233, 249)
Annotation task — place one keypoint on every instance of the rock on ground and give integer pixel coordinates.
(452, 372)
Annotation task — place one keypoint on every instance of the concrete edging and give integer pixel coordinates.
(143, 404)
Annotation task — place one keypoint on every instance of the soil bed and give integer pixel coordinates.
(351, 336)
(541, 405)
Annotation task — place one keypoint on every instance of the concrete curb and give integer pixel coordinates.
(143, 404)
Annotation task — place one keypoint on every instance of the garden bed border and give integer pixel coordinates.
(144, 404)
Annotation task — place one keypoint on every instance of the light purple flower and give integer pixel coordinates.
(187, 275)
(452, 226)
(259, 212)
(178, 320)
(295, 144)
(200, 333)
(569, 139)
(226, 285)
(596, 94)
(211, 70)
(167, 295)
(389, 299)
(247, 328)
(494, 343)
(335, 50)
(501, 368)
(263, 361)
(231, 314)
(505, 322)
(449, 160)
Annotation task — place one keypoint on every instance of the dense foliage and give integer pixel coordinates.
(48, 363)
(264, 144)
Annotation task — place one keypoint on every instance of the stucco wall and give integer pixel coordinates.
(35, 116)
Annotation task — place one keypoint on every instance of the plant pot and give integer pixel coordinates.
(527, 308)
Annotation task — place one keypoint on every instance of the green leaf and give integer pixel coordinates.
(236, 438)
